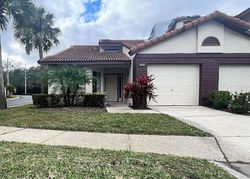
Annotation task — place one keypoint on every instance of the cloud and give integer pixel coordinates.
(116, 19)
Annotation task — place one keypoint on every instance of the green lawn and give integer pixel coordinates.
(95, 120)
(38, 161)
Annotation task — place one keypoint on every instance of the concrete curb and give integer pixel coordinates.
(230, 170)
(12, 99)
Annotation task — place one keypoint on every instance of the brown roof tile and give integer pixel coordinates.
(84, 53)
(127, 43)
(216, 15)
(131, 43)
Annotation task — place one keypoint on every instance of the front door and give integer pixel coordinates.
(113, 87)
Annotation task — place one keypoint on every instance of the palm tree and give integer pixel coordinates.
(8, 9)
(68, 80)
(38, 32)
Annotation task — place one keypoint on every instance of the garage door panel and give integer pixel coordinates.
(234, 78)
(175, 84)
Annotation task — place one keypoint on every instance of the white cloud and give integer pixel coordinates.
(117, 19)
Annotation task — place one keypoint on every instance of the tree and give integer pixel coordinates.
(38, 32)
(33, 80)
(15, 9)
(3, 103)
(68, 79)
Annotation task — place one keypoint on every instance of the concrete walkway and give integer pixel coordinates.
(231, 131)
(200, 147)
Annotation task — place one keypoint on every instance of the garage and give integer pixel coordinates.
(175, 84)
(234, 78)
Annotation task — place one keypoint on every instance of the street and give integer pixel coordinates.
(23, 100)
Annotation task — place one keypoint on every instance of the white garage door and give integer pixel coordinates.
(175, 84)
(234, 78)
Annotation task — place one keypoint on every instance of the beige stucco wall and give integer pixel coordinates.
(190, 41)
(183, 43)
(214, 29)
(236, 42)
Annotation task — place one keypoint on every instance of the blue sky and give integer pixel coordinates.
(87, 21)
(92, 7)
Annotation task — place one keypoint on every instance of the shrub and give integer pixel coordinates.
(57, 100)
(240, 103)
(220, 99)
(40, 100)
(139, 90)
(94, 100)
(11, 89)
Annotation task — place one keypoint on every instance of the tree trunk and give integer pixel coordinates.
(40, 49)
(3, 103)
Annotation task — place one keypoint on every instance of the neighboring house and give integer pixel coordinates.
(195, 56)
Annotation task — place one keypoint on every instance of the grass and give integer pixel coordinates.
(20, 160)
(85, 119)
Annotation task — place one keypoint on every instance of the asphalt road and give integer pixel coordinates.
(23, 100)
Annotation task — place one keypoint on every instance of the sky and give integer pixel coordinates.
(87, 21)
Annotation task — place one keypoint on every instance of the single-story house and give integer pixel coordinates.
(193, 57)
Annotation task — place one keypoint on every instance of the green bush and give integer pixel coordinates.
(220, 99)
(240, 103)
(40, 100)
(56, 100)
(94, 100)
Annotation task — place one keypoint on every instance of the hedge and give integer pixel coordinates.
(57, 100)
(237, 103)
(220, 99)
(240, 103)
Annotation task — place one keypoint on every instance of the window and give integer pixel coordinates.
(211, 41)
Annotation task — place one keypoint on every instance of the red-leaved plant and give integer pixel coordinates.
(140, 90)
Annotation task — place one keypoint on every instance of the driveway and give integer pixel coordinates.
(231, 131)
(23, 100)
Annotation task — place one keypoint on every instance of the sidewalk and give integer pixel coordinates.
(199, 147)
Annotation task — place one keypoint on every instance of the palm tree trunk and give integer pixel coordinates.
(42, 68)
(40, 52)
(3, 103)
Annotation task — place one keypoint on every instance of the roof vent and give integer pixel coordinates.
(210, 41)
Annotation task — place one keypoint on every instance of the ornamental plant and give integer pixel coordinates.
(140, 90)
(240, 103)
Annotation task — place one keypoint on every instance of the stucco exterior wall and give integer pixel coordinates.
(191, 41)
(54, 89)
(236, 42)
(182, 43)
(214, 29)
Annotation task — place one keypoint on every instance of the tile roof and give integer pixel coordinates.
(131, 43)
(84, 53)
(127, 43)
(243, 13)
(229, 21)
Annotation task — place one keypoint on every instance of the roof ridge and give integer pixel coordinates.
(62, 51)
(70, 47)
(188, 26)
(243, 13)
(84, 45)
